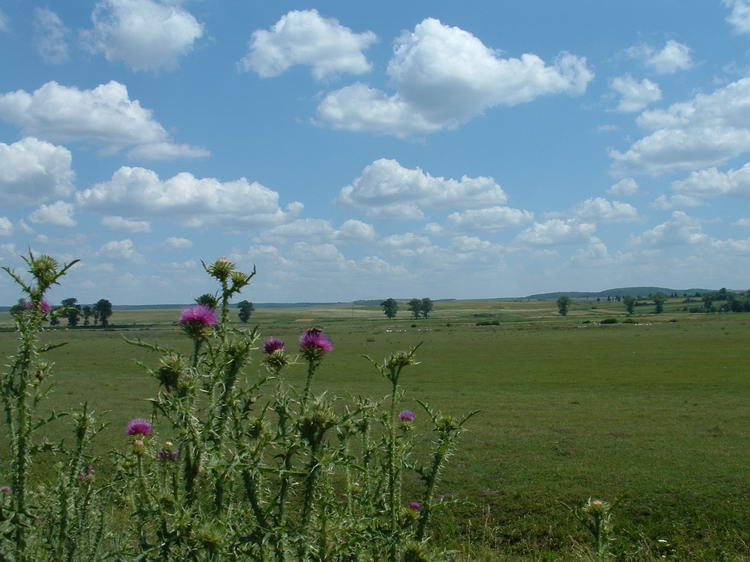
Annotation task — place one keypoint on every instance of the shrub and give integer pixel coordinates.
(608, 321)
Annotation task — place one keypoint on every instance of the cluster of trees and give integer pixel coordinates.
(418, 307)
(72, 312)
(724, 301)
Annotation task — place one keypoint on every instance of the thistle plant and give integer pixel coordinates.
(64, 510)
(596, 516)
(237, 461)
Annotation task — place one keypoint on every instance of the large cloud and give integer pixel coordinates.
(386, 189)
(704, 131)
(304, 37)
(139, 192)
(444, 76)
(145, 34)
(32, 171)
(710, 183)
(105, 115)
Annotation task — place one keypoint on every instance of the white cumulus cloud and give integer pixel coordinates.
(600, 210)
(739, 17)
(704, 131)
(489, 219)
(635, 95)
(58, 213)
(711, 183)
(50, 36)
(445, 76)
(680, 229)
(147, 35)
(178, 243)
(6, 226)
(386, 189)
(121, 250)
(672, 57)
(200, 201)
(104, 115)
(624, 188)
(32, 171)
(126, 225)
(556, 232)
(306, 38)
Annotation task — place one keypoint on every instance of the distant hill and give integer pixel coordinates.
(621, 292)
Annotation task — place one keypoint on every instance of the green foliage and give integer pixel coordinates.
(207, 299)
(563, 304)
(390, 307)
(629, 302)
(415, 306)
(102, 312)
(427, 306)
(246, 310)
(659, 300)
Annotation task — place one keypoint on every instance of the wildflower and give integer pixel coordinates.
(5, 489)
(416, 506)
(44, 306)
(195, 319)
(167, 455)
(272, 345)
(87, 472)
(315, 341)
(407, 416)
(139, 426)
(199, 314)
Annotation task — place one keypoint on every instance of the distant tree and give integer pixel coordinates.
(246, 310)
(629, 302)
(104, 308)
(18, 308)
(427, 306)
(708, 302)
(415, 305)
(563, 304)
(87, 312)
(390, 307)
(72, 311)
(659, 300)
(54, 316)
(208, 300)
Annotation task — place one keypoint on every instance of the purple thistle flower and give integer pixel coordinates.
(86, 473)
(167, 455)
(5, 489)
(44, 306)
(271, 345)
(416, 506)
(139, 426)
(198, 315)
(313, 340)
(407, 416)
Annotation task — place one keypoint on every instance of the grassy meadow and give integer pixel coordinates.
(651, 415)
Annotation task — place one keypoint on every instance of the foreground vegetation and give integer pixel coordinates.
(650, 415)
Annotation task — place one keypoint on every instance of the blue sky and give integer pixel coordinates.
(366, 150)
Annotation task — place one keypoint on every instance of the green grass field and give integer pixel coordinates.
(652, 414)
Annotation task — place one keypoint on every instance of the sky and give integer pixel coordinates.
(365, 150)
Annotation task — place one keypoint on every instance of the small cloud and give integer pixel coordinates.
(673, 57)
(126, 225)
(50, 36)
(6, 227)
(624, 188)
(635, 95)
(59, 213)
(177, 243)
